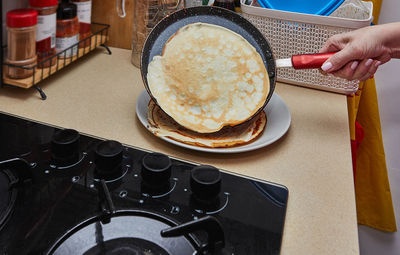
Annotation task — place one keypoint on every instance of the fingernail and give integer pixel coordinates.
(326, 66)
(378, 63)
(369, 62)
(354, 65)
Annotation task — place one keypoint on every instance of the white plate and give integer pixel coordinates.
(278, 122)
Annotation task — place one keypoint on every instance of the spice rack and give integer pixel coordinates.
(98, 38)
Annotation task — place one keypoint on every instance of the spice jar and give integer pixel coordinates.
(46, 30)
(84, 16)
(67, 34)
(21, 40)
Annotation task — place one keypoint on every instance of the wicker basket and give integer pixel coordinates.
(295, 33)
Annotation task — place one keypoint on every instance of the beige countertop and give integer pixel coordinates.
(97, 95)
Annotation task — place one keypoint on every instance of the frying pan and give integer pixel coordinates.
(222, 17)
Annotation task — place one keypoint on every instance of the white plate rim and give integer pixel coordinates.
(277, 112)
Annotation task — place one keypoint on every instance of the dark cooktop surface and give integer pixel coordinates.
(62, 192)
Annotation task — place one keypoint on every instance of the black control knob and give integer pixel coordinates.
(108, 159)
(156, 170)
(205, 182)
(65, 146)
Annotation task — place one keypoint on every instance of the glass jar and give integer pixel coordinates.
(193, 3)
(67, 29)
(227, 4)
(84, 9)
(21, 42)
(46, 30)
(146, 14)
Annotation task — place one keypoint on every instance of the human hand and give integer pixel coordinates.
(362, 51)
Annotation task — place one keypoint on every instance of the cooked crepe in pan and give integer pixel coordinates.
(164, 126)
(208, 77)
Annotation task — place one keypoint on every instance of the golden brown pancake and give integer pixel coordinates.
(208, 77)
(163, 125)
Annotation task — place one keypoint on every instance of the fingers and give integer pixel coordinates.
(371, 70)
(347, 72)
(363, 69)
(356, 70)
(335, 43)
(340, 59)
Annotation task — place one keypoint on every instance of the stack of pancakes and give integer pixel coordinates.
(209, 83)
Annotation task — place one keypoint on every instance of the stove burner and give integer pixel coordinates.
(127, 246)
(8, 195)
(126, 233)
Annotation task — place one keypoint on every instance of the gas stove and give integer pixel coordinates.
(63, 192)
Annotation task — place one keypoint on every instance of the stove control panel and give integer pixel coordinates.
(80, 183)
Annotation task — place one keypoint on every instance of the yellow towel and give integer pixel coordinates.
(373, 197)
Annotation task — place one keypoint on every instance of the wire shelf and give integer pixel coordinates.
(44, 69)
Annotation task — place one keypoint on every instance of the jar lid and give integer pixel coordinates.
(22, 18)
(66, 11)
(43, 3)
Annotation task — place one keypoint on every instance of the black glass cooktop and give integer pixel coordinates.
(62, 192)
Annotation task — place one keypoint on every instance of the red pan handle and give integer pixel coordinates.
(310, 61)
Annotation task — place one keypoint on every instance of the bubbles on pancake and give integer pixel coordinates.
(252, 65)
(196, 110)
(248, 100)
(228, 52)
(250, 89)
(208, 50)
(247, 51)
(256, 96)
(192, 119)
(182, 96)
(230, 77)
(231, 64)
(258, 83)
(211, 123)
(242, 85)
(203, 92)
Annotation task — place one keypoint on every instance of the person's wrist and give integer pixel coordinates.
(391, 37)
